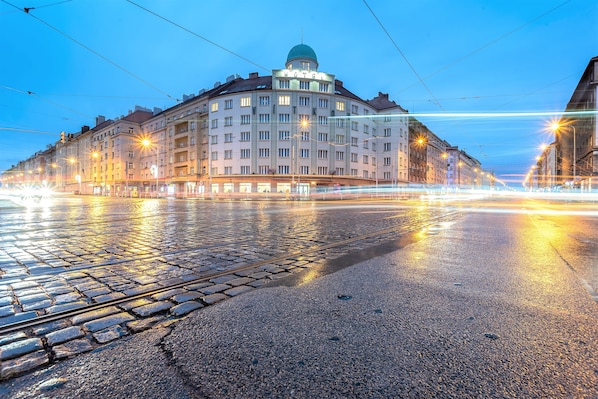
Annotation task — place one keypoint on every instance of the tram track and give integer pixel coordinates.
(52, 317)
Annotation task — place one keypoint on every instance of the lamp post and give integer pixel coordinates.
(146, 143)
(556, 128)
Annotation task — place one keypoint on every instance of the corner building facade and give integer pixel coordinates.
(296, 132)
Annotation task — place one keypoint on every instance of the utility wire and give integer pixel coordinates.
(403, 55)
(30, 93)
(198, 35)
(26, 11)
(490, 43)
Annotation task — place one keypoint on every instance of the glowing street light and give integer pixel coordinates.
(147, 144)
(556, 127)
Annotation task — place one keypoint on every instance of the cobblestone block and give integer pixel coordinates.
(59, 290)
(240, 281)
(213, 298)
(97, 292)
(6, 300)
(168, 294)
(135, 303)
(32, 298)
(66, 334)
(17, 317)
(248, 272)
(49, 327)
(214, 289)
(94, 314)
(223, 279)
(272, 269)
(109, 334)
(37, 305)
(259, 275)
(30, 291)
(144, 324)
(7, 339)
(238, 290)
(257, 283)
(280, 275)
(7, 311)
(198, 286)
(11, 368)
(171, 281)
(187, 296)
(72, 348)
(65, 306)
(67, 298)
(23, 284)
(108, 297)
(19, 348)
(105, 322)
(142, 289)
(152, 308)
(184, 308)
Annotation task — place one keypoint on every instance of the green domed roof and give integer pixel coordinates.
(302, 51)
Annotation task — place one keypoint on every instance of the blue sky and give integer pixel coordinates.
(65, 62)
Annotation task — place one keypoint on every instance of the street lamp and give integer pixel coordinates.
(147, 144)
(556, 127)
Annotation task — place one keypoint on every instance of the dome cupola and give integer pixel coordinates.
(302, 57)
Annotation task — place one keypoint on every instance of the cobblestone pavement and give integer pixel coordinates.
(81, 251)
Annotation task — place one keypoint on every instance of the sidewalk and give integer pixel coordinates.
(480, 307)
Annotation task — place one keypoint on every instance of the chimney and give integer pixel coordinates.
(100, 119)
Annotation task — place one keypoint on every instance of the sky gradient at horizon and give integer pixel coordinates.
(66, 62)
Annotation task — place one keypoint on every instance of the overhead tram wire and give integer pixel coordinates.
(31, 93)
(27, 11)
(403, 55)
(198, 35)
(490, 43)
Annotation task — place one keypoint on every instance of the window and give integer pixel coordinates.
(323, 137)
(354, 126)
(304, 136)
(354, 109)
(228, 154)
(322, 170)
(386, 176)
(284, 152)
(228, 121)
(264, 118)
(322, 154)
(340, 171)
(353, 172)
(245, 119)
(366, 159)
(228, 104)
(264, 134)
(340, 123)
(304, 120)
(353, 157)
(324, 87)
(284, 84)
(284, 100)
(245, 153)
(264, 152)
(387, 132)
(322, 120)
(304, 153)
(387, 161)
(214, 123)
(366, 129)
(366, 111)
(387, 146)
(245, 136)
(304, 170)
(340, 139)
(263, 169)
(340, 155)
(245, 170)
(213, 139)
(228, 170)
(365, 174)
(284, 118)
(304, 101)
(245, 101)
(303, 85)
(264, 100)
(214, 156)
(340, 105)
(284, 135)
(228, 138)
(387, 118)
(322, 102)
(283, 169)
(214, 107)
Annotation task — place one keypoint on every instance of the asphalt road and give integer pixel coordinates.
(496, 304)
